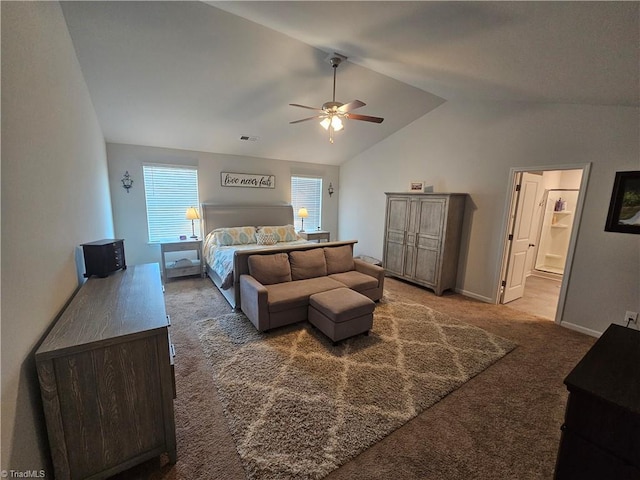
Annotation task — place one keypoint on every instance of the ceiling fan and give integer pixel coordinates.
(332, 113)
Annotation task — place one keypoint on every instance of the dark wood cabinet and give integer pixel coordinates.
(106, 377)
(422, 238)
(103, 257)
(601, 431)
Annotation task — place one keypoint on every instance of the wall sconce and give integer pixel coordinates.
(127, 181)
(330, 189)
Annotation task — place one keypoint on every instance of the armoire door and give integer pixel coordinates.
(395, 246)
(429, 220)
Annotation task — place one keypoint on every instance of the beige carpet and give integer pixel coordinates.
(299, 407)
(502, 424)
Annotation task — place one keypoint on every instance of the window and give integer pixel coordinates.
(169, 191)
(307, 192)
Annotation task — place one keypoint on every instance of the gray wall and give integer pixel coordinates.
(55, 196)
(465, 146)
(129, 208)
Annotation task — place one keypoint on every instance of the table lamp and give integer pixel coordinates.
(192, 214)
(302, 213)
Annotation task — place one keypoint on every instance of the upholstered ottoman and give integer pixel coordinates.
(341, 313)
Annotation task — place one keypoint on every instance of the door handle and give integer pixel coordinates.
(532, 244)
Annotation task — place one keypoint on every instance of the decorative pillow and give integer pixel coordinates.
(283, 233)
(234, 236)
(266, 239)
(270, 269)
(307, 264)
(339, 259)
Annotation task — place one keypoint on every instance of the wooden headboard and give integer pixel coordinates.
(218, 215)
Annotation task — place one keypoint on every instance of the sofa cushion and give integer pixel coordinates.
(270, 269)
(339, 259)
(307, 264)
(356, 280)
(285, 296)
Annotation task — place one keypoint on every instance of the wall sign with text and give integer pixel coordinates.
(249, 180)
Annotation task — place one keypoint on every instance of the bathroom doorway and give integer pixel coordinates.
(543, 215)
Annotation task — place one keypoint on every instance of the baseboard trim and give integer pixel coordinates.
(578, 328)
(475, 296)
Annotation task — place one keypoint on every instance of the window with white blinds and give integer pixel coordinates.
(307, 192)
(169, 191)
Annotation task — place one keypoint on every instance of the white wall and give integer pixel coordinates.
(54, 197)
(470, 147)
(129, 208)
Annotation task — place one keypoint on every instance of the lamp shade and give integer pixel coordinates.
(302, 213)
(192, 213)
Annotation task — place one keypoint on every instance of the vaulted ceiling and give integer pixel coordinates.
(199, 75)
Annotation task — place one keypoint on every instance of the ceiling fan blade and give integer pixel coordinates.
(305, 119)
(308, 108)
(366, 118)
(347, 107)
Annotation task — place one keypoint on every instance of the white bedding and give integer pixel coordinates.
(220, 259)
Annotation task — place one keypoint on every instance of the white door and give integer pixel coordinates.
(521, 236)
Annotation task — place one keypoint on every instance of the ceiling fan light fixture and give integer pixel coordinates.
(333, 113)
(334, 121)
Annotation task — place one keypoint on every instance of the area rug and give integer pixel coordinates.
(299, 407)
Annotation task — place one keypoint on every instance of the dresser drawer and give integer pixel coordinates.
(579, 459)
(609, 426)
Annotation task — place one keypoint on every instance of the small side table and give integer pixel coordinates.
(178, 268)
(316, 235)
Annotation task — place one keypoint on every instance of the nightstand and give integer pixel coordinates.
(183, 266)
(316, 235)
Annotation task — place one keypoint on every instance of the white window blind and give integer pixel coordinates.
(169, 191)
(307, 192)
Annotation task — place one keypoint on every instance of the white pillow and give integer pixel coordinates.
(266, 238)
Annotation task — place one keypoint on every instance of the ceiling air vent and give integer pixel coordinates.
(250, 138)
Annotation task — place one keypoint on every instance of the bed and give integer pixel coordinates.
(225, 264)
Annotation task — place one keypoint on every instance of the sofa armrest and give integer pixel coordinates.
(369, 268)
(375, 271)
(254, 302)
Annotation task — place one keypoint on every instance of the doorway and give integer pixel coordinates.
(542, 217)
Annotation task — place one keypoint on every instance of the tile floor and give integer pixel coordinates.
(540, 297)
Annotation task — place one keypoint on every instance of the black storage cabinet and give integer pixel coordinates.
(103, 257)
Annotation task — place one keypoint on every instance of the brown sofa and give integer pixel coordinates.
(277, 289)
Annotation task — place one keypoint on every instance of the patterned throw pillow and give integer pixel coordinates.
(235, 236)
(283, 233)
(266, 239)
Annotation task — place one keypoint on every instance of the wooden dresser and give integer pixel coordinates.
(106, 377)
(422, 238)
(601, 431)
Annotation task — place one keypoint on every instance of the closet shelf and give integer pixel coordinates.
(559, 225)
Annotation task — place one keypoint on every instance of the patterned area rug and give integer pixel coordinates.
(299, 407)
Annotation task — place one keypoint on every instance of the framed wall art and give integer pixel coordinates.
(624, 207)
(248, 180)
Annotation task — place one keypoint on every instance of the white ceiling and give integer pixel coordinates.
(197, 76)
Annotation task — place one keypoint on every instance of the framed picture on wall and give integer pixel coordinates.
(624, 207)
(417, 187)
